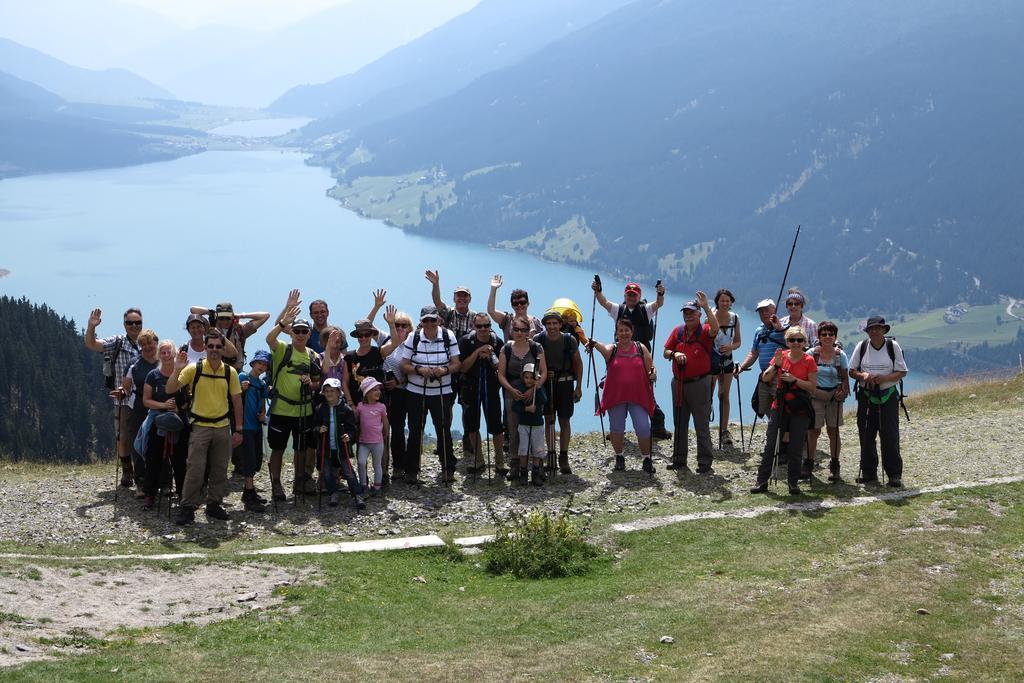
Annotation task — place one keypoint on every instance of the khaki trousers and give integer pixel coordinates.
(207, 446)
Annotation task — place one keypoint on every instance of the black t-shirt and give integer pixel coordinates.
(158, 389)
(467, 345)
(370, 365)
(558, 358)
(139, 371)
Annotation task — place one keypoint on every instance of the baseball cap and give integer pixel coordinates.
(332, 382)
(429, 312)
(528, 369)
(690, 306)
(301, 322)
(463, 288)
(225, 310)
(633, 287)
(196, 318)
(764, 303)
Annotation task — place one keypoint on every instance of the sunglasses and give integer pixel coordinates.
(133, 323)
(301, 330)
(520, 329)
(796, 340)
(520, 302)
(482, 327)
(214, 347)
(793, 303)
(405, 325)
(364, 335)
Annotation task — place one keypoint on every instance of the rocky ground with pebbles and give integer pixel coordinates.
(47, 509)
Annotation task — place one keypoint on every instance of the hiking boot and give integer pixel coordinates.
(512, 474)
(794, 490)
(148, 502)
(762, 487)
(277, 491)
(127, 482)
(661, 433)
(502, 472)
(648, 465)
(333, 500)
(563, 463)
(806, 469)
(397, 474)
(215, 511)
(895, 483)
(310, 486)
(524, 476)
(705, 469)
(620, 464)
(385, 480)
(727, 439)
(677, 465)
(412, 479)
(375, 490)
(186, 515)
(252, 502)
(833, 470)
(865, 479)
(360, 503)
(537, 476)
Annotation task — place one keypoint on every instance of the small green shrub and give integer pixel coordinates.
(540, 545)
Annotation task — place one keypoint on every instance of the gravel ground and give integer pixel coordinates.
(48, 510)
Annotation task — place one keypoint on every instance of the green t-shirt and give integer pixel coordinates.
(288, 400)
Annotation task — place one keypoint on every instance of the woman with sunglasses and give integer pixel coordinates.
(514, 356)
(520, 309)
(833, 388)
(367, 360)
(795, 375)
(395, 395)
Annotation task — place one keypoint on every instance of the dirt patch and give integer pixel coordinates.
(46, 611)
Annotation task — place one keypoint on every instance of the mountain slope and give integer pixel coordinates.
(684, 140)
(74, 83)
(337, 40)
(492, 35)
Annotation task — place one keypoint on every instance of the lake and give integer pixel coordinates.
(247, 227)
(261, 128)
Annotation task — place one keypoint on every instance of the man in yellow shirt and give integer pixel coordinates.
(216, 400)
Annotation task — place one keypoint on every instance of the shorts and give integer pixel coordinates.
(123, 424)
(531, 438)
(283, 426)
(765, 396)
(720, 364)
(252, 451)
(562, 402)
(827, 413)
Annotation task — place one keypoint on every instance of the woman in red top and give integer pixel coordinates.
(791, 410)
(628, 389)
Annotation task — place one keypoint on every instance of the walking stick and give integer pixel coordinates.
(444, 427)
(552, 468)
(677, 411)
(301, 489)
(782, 287)
(597, 395)
(739, 399)
(593, 313)
(323, 455)
(423, 419)
(487, 436)
(117, 446)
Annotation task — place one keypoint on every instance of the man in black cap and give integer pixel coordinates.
(429, 358)
(234, 330)
(878, 365)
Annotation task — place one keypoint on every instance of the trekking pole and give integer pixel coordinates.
(444, 427)
(423, 417)
(552, 468)
(597, 396)
(301, 492)
(117, 445)
(487, 435)
(782, 287)
(593, 313)
(320, 489)
(739, 399)
(677, 411)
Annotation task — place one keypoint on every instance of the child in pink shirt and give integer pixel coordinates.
(374, 433)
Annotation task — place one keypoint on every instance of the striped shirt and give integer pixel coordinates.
(459, 323)
(809, 327)
(430, 353)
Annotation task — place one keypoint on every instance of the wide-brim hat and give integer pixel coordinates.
(364, 325)
(876, 321)
(260, 356)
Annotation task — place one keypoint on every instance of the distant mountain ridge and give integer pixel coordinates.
(685, 140)
(109, 86)
(492, 35)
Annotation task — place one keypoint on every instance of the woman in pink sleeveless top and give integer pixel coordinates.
(628, 389)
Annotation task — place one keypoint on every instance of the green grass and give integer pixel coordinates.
(928, 330)
(395, 199)
(824, 596)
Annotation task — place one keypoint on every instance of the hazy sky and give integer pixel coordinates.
(251, 14)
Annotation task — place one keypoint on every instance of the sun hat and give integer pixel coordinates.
(261, 356)
(876, 321)
(367, 385)
(528, 369)
(364, 325)
(332, 382)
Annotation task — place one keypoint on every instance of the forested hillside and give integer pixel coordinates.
(686, 139)
(53, 405)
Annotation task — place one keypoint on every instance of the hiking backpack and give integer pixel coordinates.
(862, 348)
(567, 340)
(643, 327)
(195, 381)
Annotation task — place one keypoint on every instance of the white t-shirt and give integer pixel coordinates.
(194, 356)
(613, 310)
(877, 362)
(430, 353)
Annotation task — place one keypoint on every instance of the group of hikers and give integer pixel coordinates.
(186, 413)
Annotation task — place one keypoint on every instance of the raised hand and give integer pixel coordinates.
(180, 361)
(95, 318)
(432, 277)
(496, 281)
(702, 299)
(660, 289)
(389, 314)
(290, 314)
(379, 297)
(293, 299)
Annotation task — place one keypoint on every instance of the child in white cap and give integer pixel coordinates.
(374, 432)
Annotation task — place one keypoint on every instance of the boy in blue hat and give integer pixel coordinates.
(254, 401)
